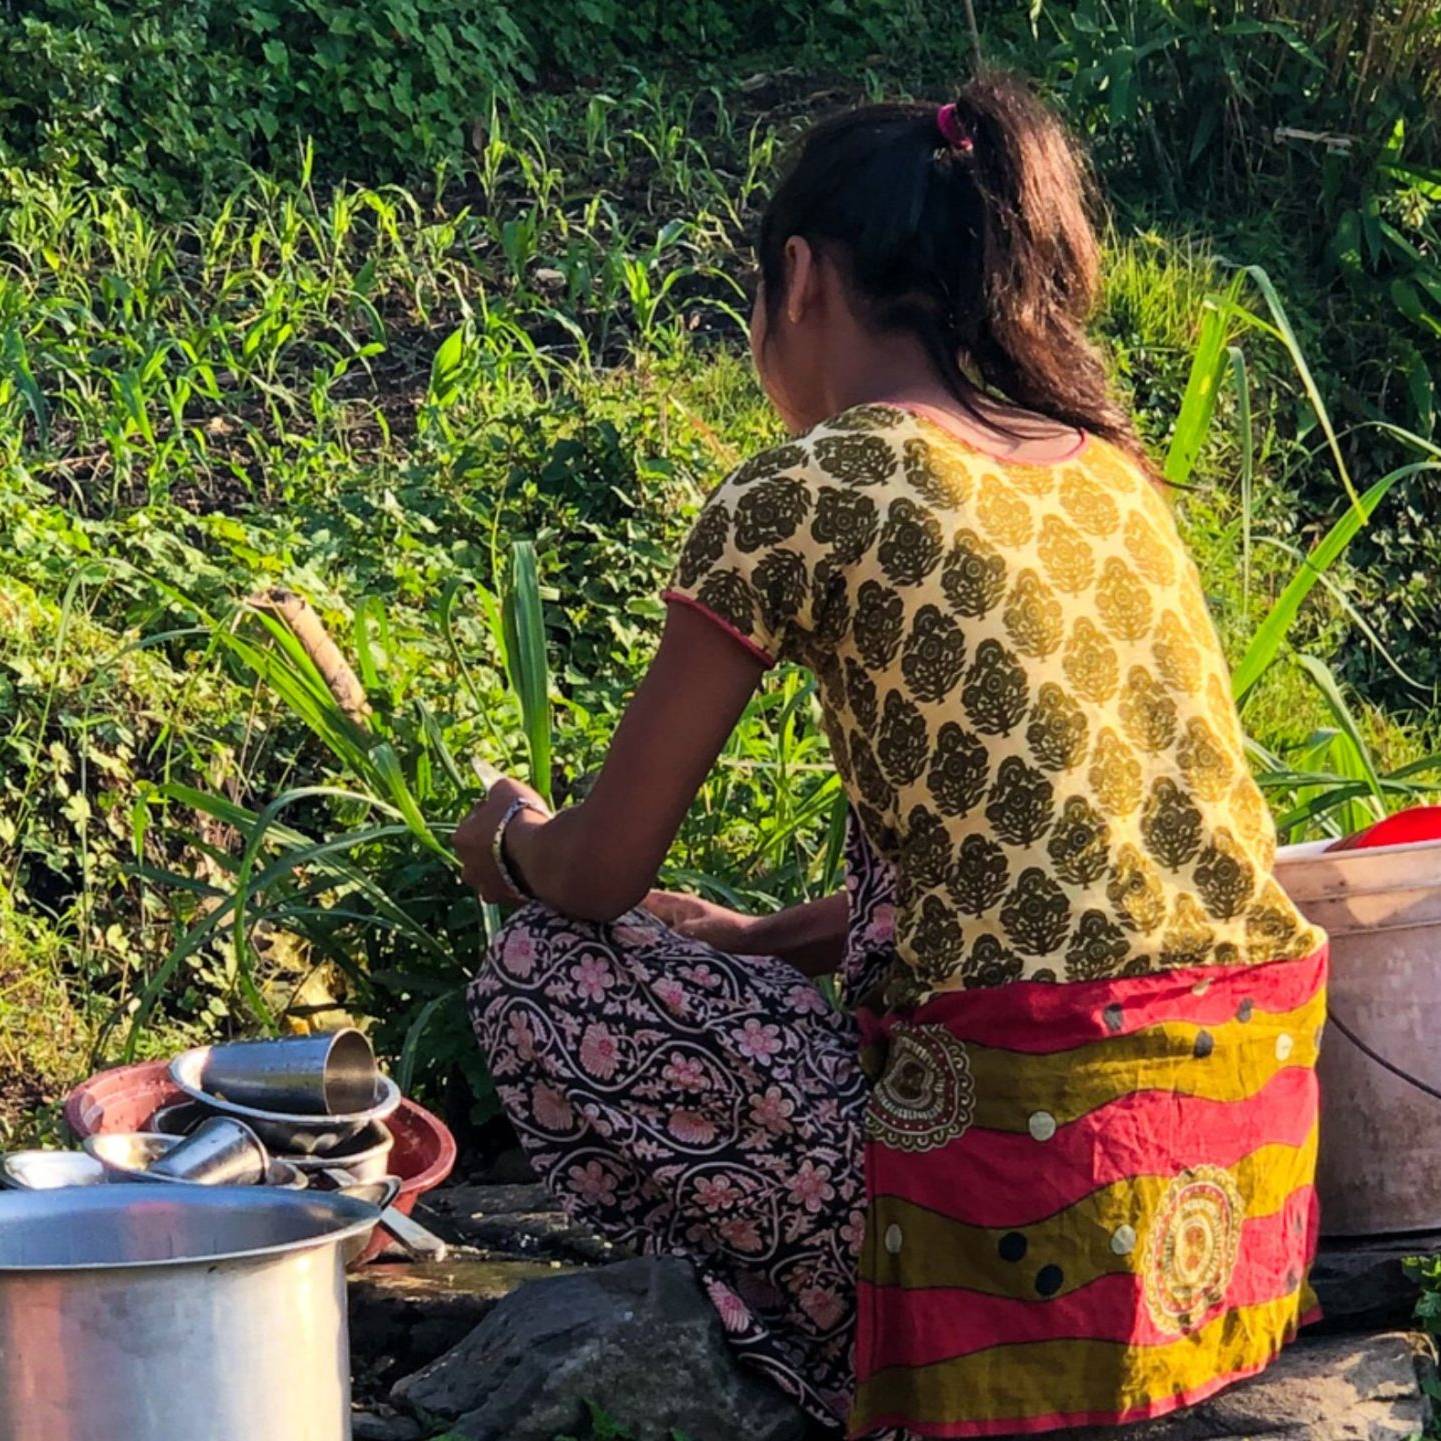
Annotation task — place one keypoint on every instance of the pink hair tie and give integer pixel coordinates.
(953, 129)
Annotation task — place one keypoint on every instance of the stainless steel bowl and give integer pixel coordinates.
(285, 1134)
(128, 1156)
(49, 1170)
(179, 1118)
(366, 1156)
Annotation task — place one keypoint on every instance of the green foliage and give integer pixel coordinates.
(596, 34)
(1276, 127)
(1426, 1272)
(163, 97)
(604, 1427)
(159, 96)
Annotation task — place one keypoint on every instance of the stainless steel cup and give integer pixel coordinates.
(218, 1152)
(326, 1075)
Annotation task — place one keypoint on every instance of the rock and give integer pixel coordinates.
(1332, 1388)
(515, 1220)
(403, 1316)
(369, 1426)
(639, 1338)
(1362, 1284)
(501, 1199)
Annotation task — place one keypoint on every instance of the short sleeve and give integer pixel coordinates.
(749, 562)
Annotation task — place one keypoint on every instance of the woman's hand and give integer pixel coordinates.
(811, 936)
(703, 920)
(475, 837)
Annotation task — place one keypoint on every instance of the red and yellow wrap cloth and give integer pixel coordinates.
(1089, 1203)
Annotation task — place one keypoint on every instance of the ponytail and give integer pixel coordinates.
(970, 228)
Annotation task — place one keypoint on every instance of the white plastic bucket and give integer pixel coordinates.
(1380, 1161)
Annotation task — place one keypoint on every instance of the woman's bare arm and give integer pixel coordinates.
(599, 858)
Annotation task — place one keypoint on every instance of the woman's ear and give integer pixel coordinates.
(802, 278)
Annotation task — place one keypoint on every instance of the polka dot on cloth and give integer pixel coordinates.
(1205, 1044)
(1113, 1018)
(1042, 1126)
(1012, 1246)
(1049, 1280)
(894, 1239)
(1284, 1046)
(1123, 1240)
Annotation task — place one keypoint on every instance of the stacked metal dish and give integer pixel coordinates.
(366, 1156)
(136, 1156)
(318, 1103)
(281, 1113)
(303, 1096)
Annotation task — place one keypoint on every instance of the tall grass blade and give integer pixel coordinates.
(1350, 754)
(1271, 633)
(835, 856)
(1241, 379)
(526, 662)
(1282, 328)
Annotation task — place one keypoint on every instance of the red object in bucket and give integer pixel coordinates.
(1420, 823)
(125, 1098)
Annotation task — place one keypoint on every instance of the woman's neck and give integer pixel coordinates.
(988, 423)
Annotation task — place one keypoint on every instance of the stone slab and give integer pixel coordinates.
(515, 1220)
(1330, 1388)
(403, 1316)
(638, 1338)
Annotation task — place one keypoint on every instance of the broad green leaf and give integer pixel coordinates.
(446, 369)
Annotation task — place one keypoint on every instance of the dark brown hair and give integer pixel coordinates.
(984, 250)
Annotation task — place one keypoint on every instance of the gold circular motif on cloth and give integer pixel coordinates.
(1192, 1246)
(926, 1096)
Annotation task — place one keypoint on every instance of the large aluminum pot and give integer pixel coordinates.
(1380, 1162)
(175, 1313)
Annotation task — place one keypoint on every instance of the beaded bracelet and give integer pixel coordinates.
(497, 845)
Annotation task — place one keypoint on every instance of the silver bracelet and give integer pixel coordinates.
(497, 845)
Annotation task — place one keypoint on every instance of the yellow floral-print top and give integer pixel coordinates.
(1023, 692)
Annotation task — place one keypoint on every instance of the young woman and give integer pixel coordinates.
(1052, 1163)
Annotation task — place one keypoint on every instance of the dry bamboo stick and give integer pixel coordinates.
(307, 627)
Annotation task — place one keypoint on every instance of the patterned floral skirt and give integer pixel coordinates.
(683, 1101)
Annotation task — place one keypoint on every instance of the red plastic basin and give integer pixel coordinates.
(125, 1097)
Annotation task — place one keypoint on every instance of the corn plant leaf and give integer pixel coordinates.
(1271, 633)
(446, 369)
(1281, 328)
(405, 1071)
(834, 862)
(526, 661)
(1355, 751)
(1198, 403)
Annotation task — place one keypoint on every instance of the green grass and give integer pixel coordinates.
(369, 396)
